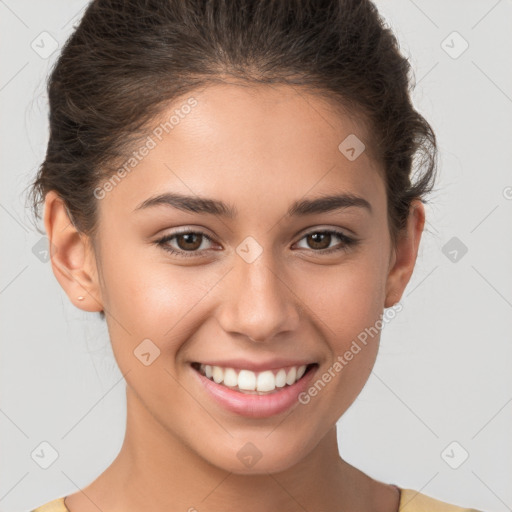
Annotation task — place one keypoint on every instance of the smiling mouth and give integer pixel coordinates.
(254, 383)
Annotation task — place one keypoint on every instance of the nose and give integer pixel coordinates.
(258, 302)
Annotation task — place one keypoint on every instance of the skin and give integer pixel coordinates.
(258, 148)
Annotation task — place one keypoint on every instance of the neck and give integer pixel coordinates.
(154, 467)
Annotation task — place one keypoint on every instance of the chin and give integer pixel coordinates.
(257, 458)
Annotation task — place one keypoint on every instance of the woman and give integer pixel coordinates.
(228, 184)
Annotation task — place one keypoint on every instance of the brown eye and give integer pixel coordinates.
(191, 241)
(320, 240)
(187, 243)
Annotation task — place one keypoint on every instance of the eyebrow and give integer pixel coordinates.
(204, 205)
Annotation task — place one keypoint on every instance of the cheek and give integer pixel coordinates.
(347, 304)
(350, 305)
(346, 299)
(148, 298)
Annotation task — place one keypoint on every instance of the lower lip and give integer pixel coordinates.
(256, 406)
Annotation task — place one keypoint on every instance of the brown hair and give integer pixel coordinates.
(128, 59)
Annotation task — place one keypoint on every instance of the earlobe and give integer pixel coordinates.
(405, 254)
(71, 256)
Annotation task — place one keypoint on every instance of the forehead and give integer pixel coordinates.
(254, 145)
(273, 118)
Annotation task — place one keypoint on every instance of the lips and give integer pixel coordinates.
(252, 403)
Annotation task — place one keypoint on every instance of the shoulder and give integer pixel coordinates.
(414, 501)
(56, 505)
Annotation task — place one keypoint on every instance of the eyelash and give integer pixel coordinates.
(347, 242)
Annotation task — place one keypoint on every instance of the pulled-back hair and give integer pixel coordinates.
(128, 59)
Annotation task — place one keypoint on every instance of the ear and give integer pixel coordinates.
(404, 255)
(72, 256)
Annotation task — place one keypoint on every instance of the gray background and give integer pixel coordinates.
(443, 369)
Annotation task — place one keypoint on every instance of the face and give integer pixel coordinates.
(240, 281)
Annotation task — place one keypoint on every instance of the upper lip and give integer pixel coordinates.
(245, 364)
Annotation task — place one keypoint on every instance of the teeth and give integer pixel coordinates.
(230, 377)
(246, 380)
(218, 374)
(291, 376)
(281, 378)
(266, 381)
(249, 381)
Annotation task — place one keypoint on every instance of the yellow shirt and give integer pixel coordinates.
(413, 500)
